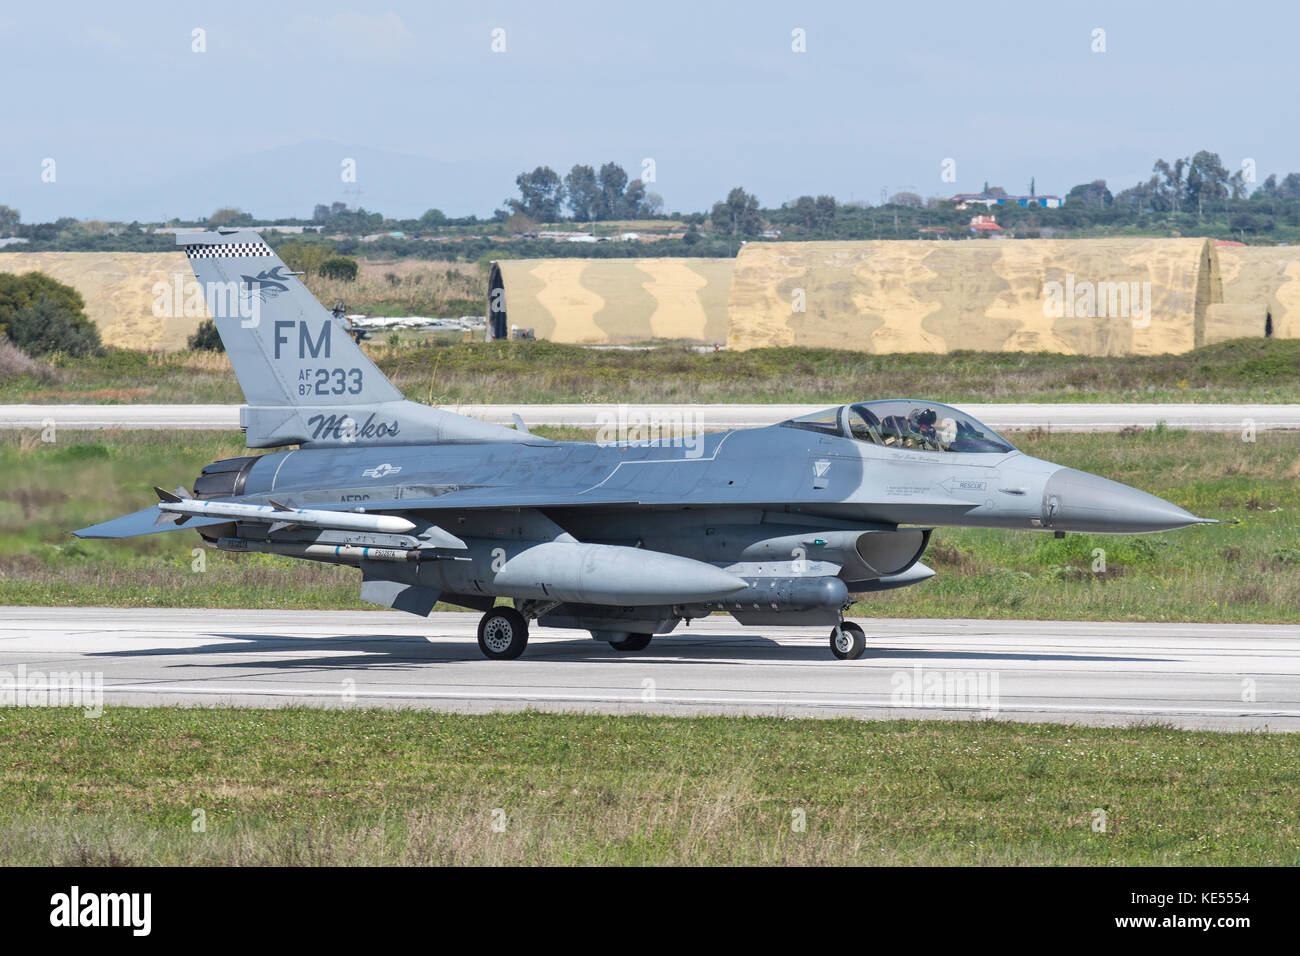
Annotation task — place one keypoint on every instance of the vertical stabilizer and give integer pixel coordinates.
(306, 381)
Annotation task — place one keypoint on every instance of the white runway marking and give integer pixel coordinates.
(1187, 675)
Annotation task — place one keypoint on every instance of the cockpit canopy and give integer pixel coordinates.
(904, 423)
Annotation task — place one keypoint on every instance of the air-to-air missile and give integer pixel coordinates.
(781, 525)
(277, 515)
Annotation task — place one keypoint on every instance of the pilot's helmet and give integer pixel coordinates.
(924, 416)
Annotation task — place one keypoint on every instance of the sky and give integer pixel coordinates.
(141, 124)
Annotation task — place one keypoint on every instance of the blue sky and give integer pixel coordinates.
(140, 126)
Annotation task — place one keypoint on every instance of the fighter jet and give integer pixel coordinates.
(782, 525)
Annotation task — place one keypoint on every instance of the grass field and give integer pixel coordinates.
(303, 786)
(1247, 370)
(407, 287)
(1244, 572)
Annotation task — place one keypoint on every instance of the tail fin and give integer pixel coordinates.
(304, 378)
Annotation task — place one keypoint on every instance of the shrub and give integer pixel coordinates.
(342, 268)
(206, 338)
(24, 291)
(15, 362)
(305, 257)
(47, 326)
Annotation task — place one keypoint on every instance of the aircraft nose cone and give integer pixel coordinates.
(1077, 501)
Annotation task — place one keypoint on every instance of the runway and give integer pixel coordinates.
(1206, 676)
(1013, 417)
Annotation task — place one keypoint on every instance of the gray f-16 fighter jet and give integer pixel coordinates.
(776, 525)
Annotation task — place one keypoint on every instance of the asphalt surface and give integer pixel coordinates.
(1209, 676)
(1077, 418)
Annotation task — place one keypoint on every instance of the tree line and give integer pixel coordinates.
(1192, 195)
(588, 194)
(1187, 183)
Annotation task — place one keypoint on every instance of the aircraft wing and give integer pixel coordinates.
(481, 498)
(502, 497)
(514, 497)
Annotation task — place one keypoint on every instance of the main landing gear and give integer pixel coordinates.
(848, 641)
(502, 634)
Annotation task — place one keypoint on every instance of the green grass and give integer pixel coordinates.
(1247, 370)
(1226, 573)
(305, 786)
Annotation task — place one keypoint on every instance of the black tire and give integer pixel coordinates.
(502, 634)
(848, 641)
(633, 642)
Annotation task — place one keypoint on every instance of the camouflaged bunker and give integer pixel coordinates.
(1261, 285)
(1073, 296)
(608, 301)
(1077, 296)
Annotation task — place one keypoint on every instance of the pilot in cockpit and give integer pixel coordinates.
(921, 421)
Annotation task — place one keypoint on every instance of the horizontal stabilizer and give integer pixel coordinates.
(141, 522)
(411, 598)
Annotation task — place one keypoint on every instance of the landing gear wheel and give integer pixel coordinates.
(633, 642)
(502, 634)
(848, 641)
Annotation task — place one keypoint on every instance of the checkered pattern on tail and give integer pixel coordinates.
(229, 250)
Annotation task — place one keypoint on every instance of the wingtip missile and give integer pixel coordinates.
(280, 517)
